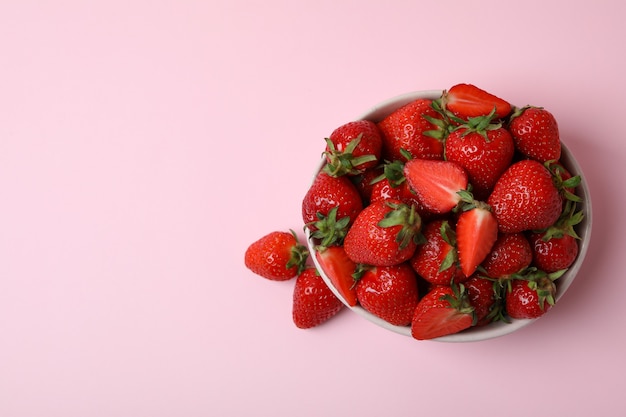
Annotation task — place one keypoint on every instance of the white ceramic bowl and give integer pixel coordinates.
(377, 113)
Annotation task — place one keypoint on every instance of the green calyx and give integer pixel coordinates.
(344, 162)
(449, 236)
(329, 229)
(393, 172)
(480, 125)
(558, 173)
(410, 221)
(459, 300)
(565, 225)
(299, 255)
(542, 283)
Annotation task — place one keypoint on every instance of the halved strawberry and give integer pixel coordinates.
(436, 183)
(467, 100)
(476, 232)
(340, 270)
(443, 311)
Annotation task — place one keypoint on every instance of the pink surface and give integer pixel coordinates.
(144, 145)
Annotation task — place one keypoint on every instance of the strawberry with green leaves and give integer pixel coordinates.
(385, 233)
(277, 256)
(466, 100)
(444, 310)
(535, 132)
(531, 296)
(313, 302)
(484, 295)
(389, 292)
(414, 129)
(340, 270)
(352, 148)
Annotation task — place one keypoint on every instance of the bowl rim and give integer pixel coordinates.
(493, 330)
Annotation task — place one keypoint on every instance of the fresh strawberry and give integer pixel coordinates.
(436, 183)
(340, 270)
(352, 148)
(565, 181)
(364, 182)
(476, 232)
(556, 248)
(277, 256)
(510, 254)
(436, 260)
(328, 192)
(535, 133)
(412, 128)
(525, 198)
(389, 292)
(442, 311)
(531, 297)
(485, 150)
(313, 302)
(484, 298)
(385, 233)
(467, 100)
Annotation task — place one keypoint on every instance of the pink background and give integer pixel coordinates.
(145, 144)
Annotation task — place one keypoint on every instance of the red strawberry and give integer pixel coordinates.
(436, 260)
(328, 192)
(389, 292)
(364, 182)
(467, 100)
(484, 299)
(385, 233)
(525, 198)
(531, 298)
(536, 133)
(352, 148)
(441, 312)
(277, 256)
(436, 183)
(313, 302)
(411, 128)
(483, 149)
(476, 232)
(340, 270)
(510, 254)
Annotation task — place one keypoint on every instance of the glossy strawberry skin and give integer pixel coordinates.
(525, 198)
(389, 292)
(434, 317)
(328, 192)
(383, 190)
(484, 159)
(370, 143)
(340, 270)
(555, 253)
(404, 129)
(510, 254)
(313, 302)
(522, 302)
(467, 100)
(271, 255)
(535, 133)
(482, 297)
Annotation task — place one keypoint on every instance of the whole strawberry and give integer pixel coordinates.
(484, 298)
(412, 128)
(389, 292)
(385, 233)
(510, 254)
(352, 148)
(277, 256)
(535, 132)
(313, 302)
(525, 198)
(531, 297)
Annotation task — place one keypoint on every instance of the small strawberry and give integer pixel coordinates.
(277, 256)
(510, 254)
(476, 232)
(436, 183)
(340, 270)
(467, 100)
(385, 233)
(352, 148)
(484, 298)
(436, 260)
(536, 133)
(389, 292)
(525, 198)
(328, 192)
(313, 302)
(484, 149)
(533, 296)
(442, 311)
(412, 128)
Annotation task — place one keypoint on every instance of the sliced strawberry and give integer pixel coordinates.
(436, 183)
(476, 232)
(467, 100)
(340, 270)
(441, 312)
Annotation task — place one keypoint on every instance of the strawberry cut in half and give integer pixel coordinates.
(436, 183)
(476, 233)
(467, 100)
(441, 312)
(340, 270)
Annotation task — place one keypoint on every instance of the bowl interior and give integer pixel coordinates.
(492, 330)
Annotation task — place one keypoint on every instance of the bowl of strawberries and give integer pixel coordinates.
(448, 215)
